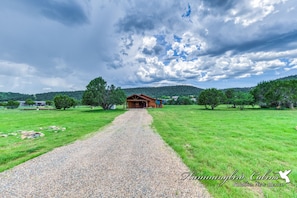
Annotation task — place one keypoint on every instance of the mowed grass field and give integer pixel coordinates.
(78, 123)
(257, 143)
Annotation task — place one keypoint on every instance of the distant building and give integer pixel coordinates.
(143, 101)
(194, 99)
(37, 103)
(174, 98)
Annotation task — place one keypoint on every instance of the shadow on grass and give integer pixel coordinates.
(245, 109)
(103, 111)
(236, 109)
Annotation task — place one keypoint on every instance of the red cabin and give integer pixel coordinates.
(143, 101)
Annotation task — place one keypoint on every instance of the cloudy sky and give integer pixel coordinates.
(61, 45)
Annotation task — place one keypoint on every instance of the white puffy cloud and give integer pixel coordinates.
(292, 64)
(272, 54)
(170, 53)
(207, 68)
(190, 44)
(149, 42)
(252, 11)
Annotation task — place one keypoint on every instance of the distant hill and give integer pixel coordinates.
(244, 89)
(77, 95)
(156, 92)
(293, 77)
(5, 96)
(178, 90)
(247, 89)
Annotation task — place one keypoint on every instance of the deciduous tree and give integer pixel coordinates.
(230, 93)
(242, 98)
(48, 103)
(29, 102)
(12, 104)
(211, 97)
(63, 102)
(98, 93)
(276, 93)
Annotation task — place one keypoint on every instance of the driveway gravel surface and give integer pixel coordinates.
(124, 159)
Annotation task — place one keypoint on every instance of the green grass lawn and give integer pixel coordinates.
(221, 141)
(78, 123)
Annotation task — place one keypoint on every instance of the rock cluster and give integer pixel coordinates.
(31, 134)
(53, 128)
(34, 134)
(56, 128)
(3, 135)
(6, 135)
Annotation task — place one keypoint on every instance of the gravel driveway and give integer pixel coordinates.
(126, 159)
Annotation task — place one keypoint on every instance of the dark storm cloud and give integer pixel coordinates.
(135, 23)
(141, 60)
(267, 43)
(221, 4)
(116, 62)
(156, 50)
(144, 16)
(128, 41)
(147, 51)
(66, 12)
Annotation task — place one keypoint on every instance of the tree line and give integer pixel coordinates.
(278, 94)
(155, 92)
(11, 104)
(97, 93)
(271, 94)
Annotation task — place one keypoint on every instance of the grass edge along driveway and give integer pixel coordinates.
(254, 142)
(79, 123)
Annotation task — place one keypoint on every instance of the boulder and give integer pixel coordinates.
(31, 134)
(56, 128)
(3, 135)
